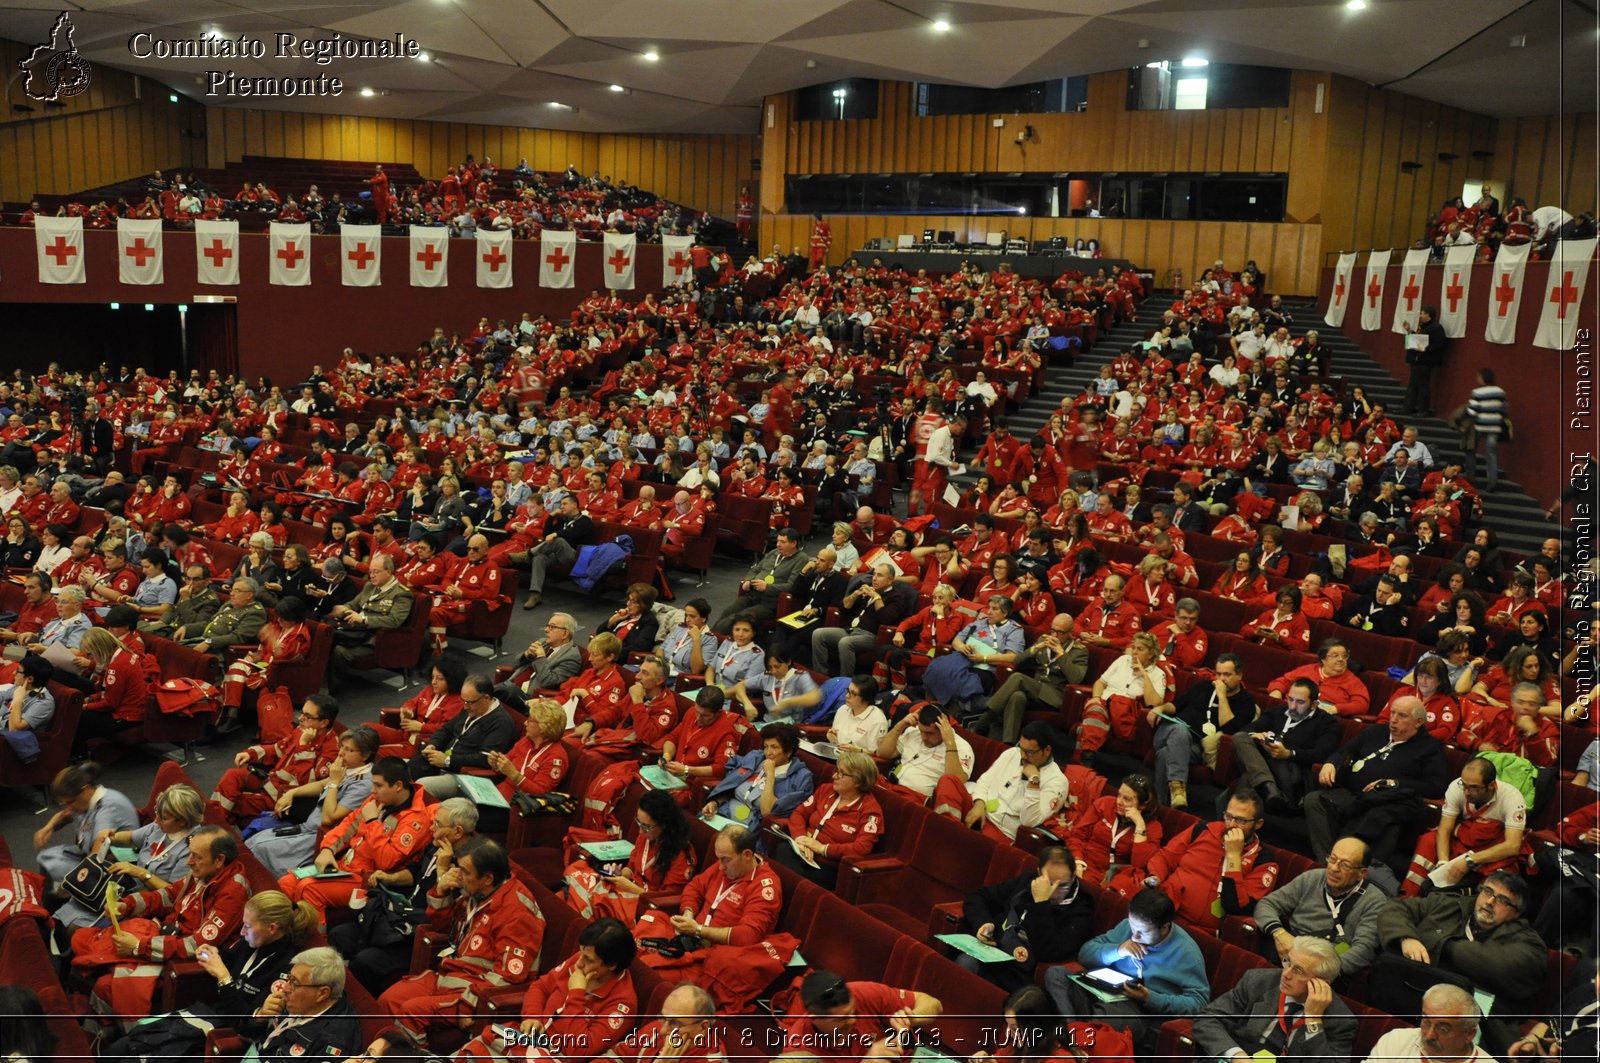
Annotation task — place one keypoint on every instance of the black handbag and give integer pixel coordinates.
(553, 803)
(387, 918)
(86, 884)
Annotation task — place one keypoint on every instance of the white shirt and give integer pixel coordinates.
(1506, 807)
(921, 765)
(941, 447)
(1020, 805)
(1405, 1046)
(10, 498)
(1121, 678)
(864, 731)
(1547, 220)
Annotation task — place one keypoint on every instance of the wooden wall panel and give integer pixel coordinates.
(1548, 159)
(1290, 253)
(102, 136)
(701, 171)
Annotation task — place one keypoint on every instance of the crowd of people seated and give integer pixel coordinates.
(474, 194)
(943, 697)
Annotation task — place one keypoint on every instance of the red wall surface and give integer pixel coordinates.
(283, 331)
(1545, 388)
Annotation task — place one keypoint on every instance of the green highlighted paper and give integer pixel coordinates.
(658, 778)
(614, 852)
(978, 950)
(481, 791)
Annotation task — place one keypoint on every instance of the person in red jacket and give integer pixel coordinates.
(1110, 622)
(535, 765)
(433, 707)
(601, 689)
(263, 773)
(122, 694)
(1282, 625)
(585, 1005)
(848, 1021)
(1183, 641)
(1430, 683)
(1114, 842)
(495, 932)
(1338, 687)
(204, 907)
(699, 748)
(685, 1033)
(649, 716)
(1218, 869)
(840, 821)
(479, 580)
(390, 830)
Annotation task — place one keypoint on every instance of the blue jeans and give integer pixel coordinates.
(1491, 455)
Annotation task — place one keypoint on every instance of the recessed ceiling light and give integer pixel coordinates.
(213, 33)
(618, 88)
(651, 56)
(941, 25)
(424, 57)
(1356, 5)
(368, 92)
(1193, 62)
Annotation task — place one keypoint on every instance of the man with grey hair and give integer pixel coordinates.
(881, 602)
(1293, 1012)
(306, 1017)
(384, 604)
(1374, 787)
(197, 603)
(1449, 1029)
(237, 623)
(335, 590)
(551, 660)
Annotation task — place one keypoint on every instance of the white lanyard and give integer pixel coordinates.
(257, 958)
(816, 831)
(723, 893)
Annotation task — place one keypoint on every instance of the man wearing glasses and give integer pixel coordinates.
(466, 739)
(1338, 904)
(1447, 1033)
(307, 1015)
(479, 580)
(1482, 937)
(197, 603)
(1292, 1014)
(263, 773)
(1217, 869)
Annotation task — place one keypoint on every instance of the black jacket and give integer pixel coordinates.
(898, 603)
(576, 532)
(641, 637)
(1391, 620)
(468, 746)
(1417, 767)
(1437, 343)
(1190, 519)
(1311, 741)
(1194, 707)
(335, 1034)
(1051, 932)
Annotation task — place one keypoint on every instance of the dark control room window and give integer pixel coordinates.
(850, 98)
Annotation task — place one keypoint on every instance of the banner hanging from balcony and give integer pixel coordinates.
(1569, 270)
(216, 252)
(1505, 293)
(360, 255)
(139, 250)
(494, 258)
(1372, 291)
(1408, 300)
(558, 254)
(290, 247)
(1457, 287)
(677, 267)
(1343, 274)
(618, 260)
(60, 244)
(430, 256)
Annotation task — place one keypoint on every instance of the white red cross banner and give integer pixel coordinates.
(60, 244)
(618, 262)
(558, 252)
(494, 258)
(216, 252)
(1343, 274)
(139, 250)
(290, 249)
(430, 256)
(361, 255)
(1408, 300)
(1456, 287)
(1505, 293)
(1558, 316)
(677, 267)
(1372, 291)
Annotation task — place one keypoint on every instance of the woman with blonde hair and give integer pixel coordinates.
(121, 695)
(1133, 685)
(161, 850)
(274, 930)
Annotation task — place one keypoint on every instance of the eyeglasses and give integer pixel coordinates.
(1338, 864)
(648, 828)
(1295, 968)
(1238, 821)
(1502, 899)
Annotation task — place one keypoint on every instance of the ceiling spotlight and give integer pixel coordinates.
(425, 57)
(1194, 62)
(368, 92)
(618, 88)
(651, 56)
(1356, 5)
(941, 25)
(213, 33)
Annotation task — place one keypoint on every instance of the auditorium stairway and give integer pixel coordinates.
(1518, 520)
